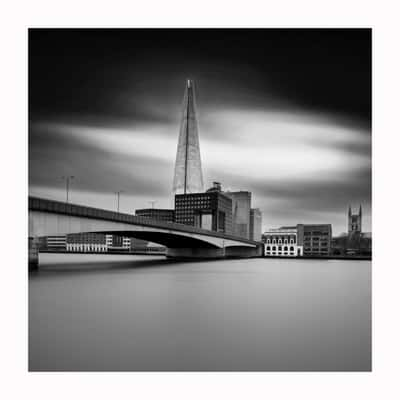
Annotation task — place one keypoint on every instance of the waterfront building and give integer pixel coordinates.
(188, 176)
(86, 242)
(354, 221)
(282, 242)
(56, 243)
(255, 224)
(315, 238)
(210, 210)
(241, 208)
(355, 242)
(118, 243)
(160, 214)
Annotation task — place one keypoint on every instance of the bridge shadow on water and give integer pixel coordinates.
(112, 266)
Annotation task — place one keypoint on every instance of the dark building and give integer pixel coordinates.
(355, 242)
(315, 239)
(211, 210)
(354, 221)
(160, 214)
(255, 224)
(241, 210)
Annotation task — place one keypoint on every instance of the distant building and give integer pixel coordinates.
(316, 239)
(86, 242)
(354, 221)
(282, 242)
(56, 243)
(160, 214)
(211, 210)
(241, 207)
(299, 240)
(355, 242)
(118, 243)
(255, 224)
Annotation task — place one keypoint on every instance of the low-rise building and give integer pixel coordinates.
(56, 243)
(86, 242)
(315, 238)
(282, 242)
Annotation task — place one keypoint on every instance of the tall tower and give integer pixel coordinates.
(354, 221)
(188, 177)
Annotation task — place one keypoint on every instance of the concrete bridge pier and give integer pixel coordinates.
(33, 253)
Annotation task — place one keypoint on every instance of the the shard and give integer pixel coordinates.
(188, 176)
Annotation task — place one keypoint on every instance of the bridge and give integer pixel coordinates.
(49, 217)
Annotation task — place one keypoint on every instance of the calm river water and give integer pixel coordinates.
(142, 313)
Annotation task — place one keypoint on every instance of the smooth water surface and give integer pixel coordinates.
(142, 313)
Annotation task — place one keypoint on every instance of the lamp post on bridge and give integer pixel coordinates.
(67, 181)
(118, 196)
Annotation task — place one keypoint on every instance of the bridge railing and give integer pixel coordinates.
(59, 207)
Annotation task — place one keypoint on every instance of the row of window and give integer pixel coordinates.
(281, 242)
(285, 248)
(279, 253)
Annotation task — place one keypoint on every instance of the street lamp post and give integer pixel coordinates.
(67, 181)
(118, 195)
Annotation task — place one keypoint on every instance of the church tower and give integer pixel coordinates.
(354, 221)
(188, 177)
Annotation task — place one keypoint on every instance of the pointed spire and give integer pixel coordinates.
(188, 177)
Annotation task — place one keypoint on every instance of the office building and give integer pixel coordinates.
(117, 243)
(241, 206)
(316, 239)
(282, 242)
(160, 214)
(86, 242)
(211, 210)
(56, 243)
(255, 224)
(188, 176)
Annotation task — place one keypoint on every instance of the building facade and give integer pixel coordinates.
(255, 224)
(86, 242)
(282, 242)
(355, 242)
(211, 210)
(241, 208)
(316, 239)
(118, 243)
(56, 243)
(160, 214)
(354, 221)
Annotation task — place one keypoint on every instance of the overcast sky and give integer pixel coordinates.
(285, 114)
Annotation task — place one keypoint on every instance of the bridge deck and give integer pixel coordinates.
(58, 207)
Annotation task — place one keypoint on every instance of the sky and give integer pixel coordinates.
(283, 113)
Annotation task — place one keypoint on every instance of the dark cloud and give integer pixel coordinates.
(53, 155)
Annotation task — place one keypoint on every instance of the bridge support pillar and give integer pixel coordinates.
(33, 253)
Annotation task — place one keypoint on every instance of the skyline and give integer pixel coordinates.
(292, 123)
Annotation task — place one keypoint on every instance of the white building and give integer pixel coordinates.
(282, 242)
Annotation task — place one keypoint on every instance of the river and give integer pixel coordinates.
(147, 313)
